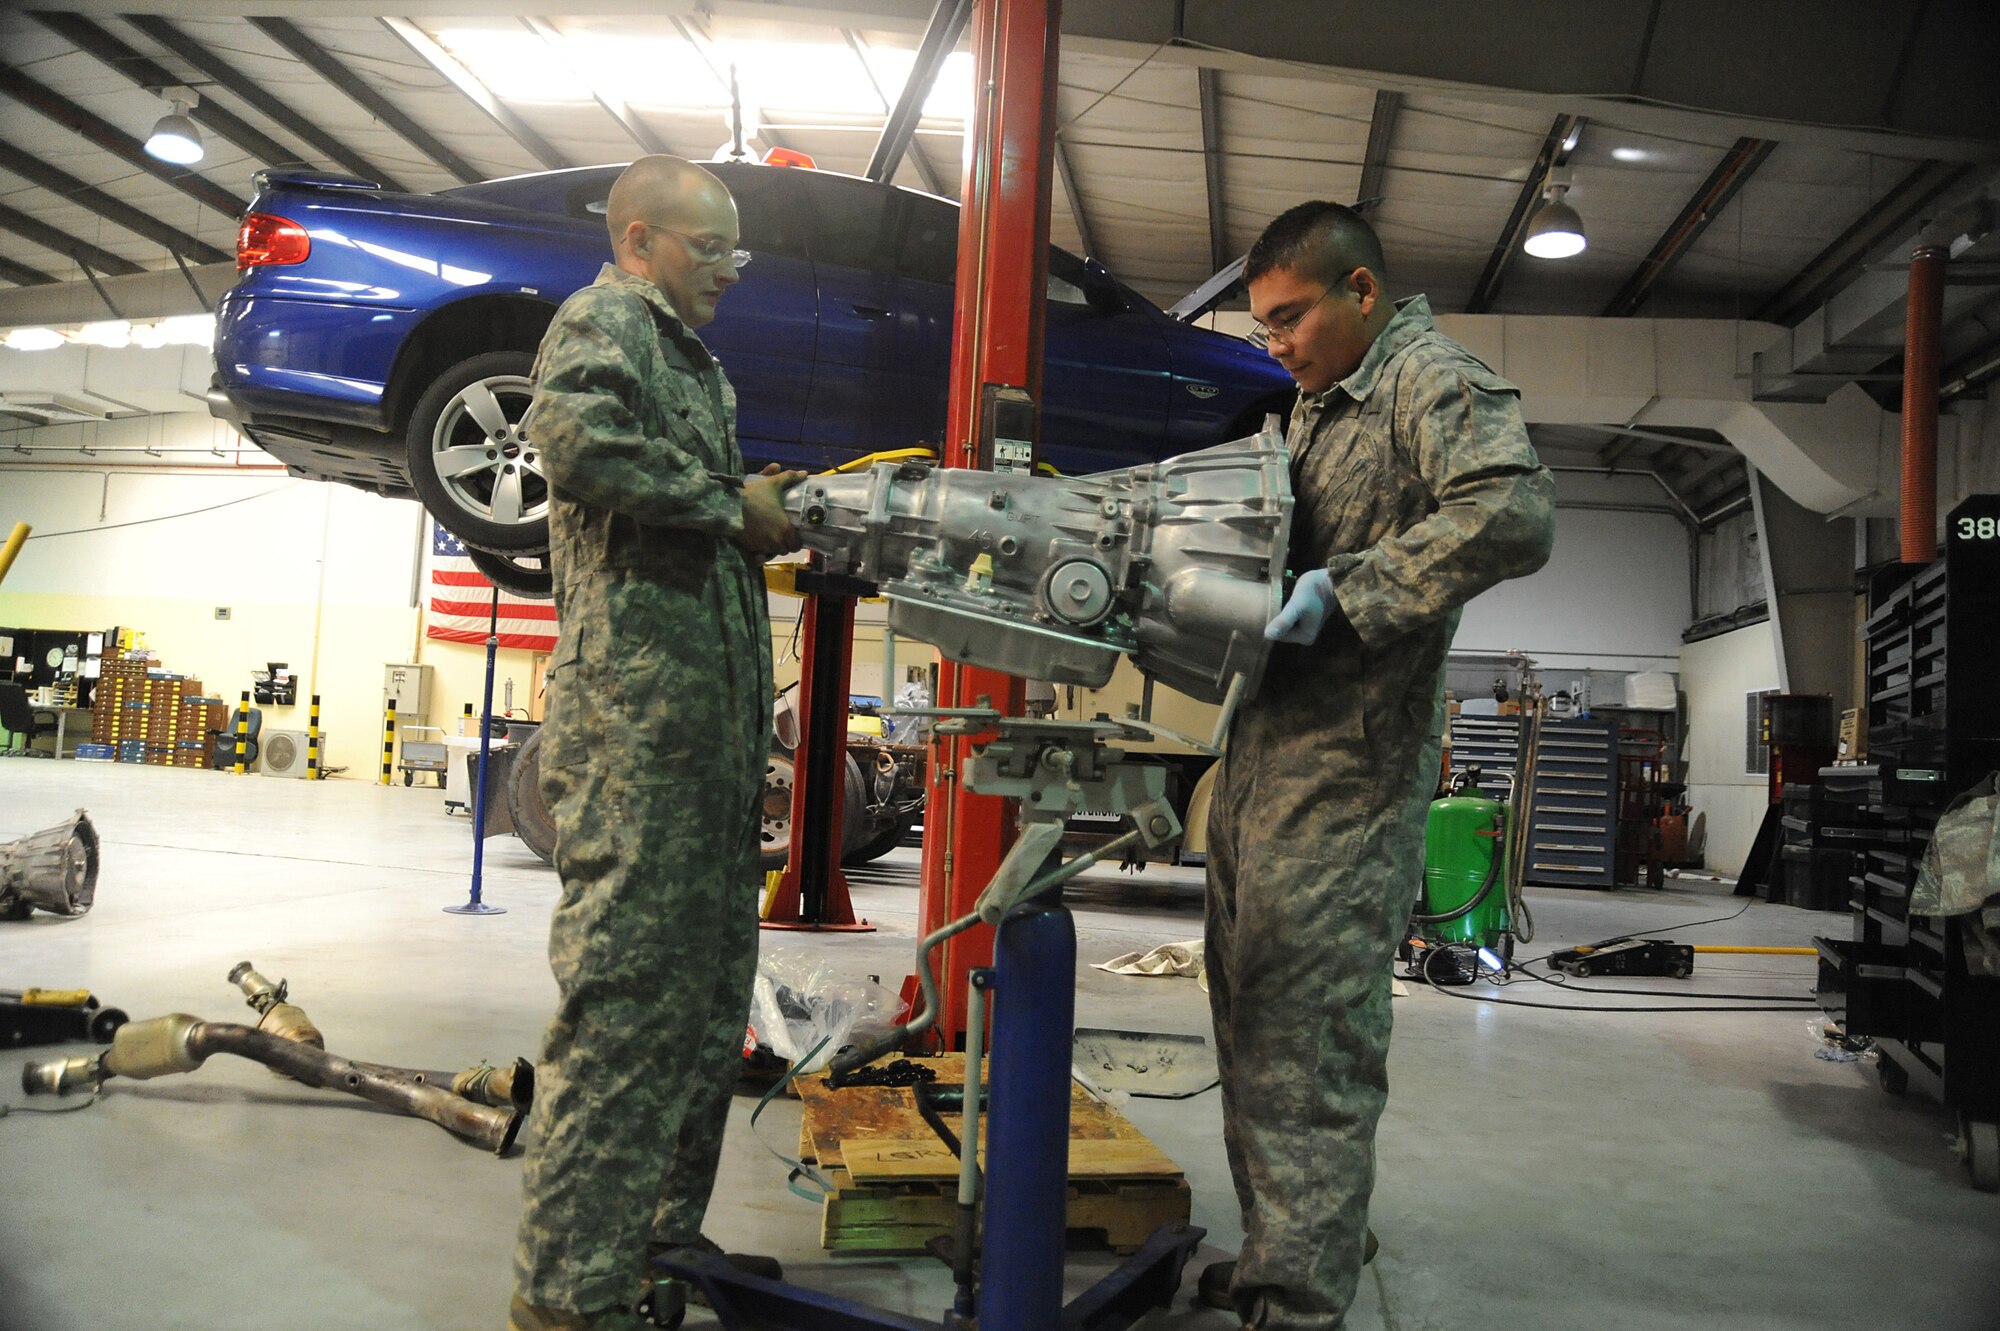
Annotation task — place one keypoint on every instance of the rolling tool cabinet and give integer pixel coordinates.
(1933, 715)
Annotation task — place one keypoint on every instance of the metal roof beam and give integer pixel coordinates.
(1882, 221)
(1729, 176)
(93, 40)
(1375, 159)
(477, 93)
(61, 242)
(635, 129)
(933, 181)
(1208, 84)
(135, 220)
(1554, 150)
(323, 63)
(940, 38)
(259, 98)
(1077, 213)
(101, 133)
(21, 275)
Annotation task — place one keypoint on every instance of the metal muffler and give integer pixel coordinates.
(53, 870)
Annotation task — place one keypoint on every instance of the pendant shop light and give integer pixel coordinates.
(175, 139)
(1556, 231)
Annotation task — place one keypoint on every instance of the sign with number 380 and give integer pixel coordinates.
(1976, 529)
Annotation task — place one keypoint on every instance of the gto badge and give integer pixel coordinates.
(1203, 391)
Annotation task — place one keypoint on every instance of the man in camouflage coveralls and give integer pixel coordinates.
(1416, 489)
(655, 745)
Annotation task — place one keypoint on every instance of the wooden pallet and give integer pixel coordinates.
(896, 1186)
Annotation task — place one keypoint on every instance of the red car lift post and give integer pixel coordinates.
(812, 896)
(997, 332)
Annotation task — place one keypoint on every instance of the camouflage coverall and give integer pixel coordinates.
(656, 739)
(1416, 486)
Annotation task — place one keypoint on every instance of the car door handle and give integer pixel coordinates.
(870, 312)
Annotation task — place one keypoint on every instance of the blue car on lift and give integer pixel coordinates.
(385, 340)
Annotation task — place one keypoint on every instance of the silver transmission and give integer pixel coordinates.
(1178, 564)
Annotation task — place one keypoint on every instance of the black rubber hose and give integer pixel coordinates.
(1485, 888)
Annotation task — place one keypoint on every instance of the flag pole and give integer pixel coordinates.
(475, 906)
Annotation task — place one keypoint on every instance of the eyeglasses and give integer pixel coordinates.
(1267, 331)
(705, 249)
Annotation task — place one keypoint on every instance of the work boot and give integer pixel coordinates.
(1212, 1290)
(664, 1300)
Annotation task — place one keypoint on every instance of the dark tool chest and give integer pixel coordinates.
(1933, 715)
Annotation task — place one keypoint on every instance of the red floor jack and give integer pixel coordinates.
(1054, 768)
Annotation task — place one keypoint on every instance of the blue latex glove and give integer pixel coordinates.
(1306, 614)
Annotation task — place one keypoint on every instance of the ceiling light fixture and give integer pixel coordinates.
(1556, 231)
(175, 139)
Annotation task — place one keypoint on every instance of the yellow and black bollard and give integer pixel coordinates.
(243, 734)
(312, 741)
(388, 740)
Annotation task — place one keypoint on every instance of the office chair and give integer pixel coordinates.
(21, 718)
(222, 743)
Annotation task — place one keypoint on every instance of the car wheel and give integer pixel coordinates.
(532, 822)
(476, 472)
(775, 834)
(890, 837)
(525, 574)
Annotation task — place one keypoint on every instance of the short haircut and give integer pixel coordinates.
(1318, 240)
(652, 184)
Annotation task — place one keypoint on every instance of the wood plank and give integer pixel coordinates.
(893, 1161)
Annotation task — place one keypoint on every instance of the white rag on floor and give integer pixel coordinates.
(1182, 959)
(1166, 959)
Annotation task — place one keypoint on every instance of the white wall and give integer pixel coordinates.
(1613, 596)
(308, 572)
(1716, 673)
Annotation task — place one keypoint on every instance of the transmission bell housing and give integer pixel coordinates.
(1178, 564)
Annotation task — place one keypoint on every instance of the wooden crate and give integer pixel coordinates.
(896, 1186)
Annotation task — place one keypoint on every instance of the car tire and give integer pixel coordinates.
(890, 837)
(524, 574)
(532, 822)
(468, 461)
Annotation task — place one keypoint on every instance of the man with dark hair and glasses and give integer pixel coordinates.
(1416, 489)
(653, 755)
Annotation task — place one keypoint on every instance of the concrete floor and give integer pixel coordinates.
(1538, 1168)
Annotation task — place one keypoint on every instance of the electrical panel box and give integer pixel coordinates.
(410, 686)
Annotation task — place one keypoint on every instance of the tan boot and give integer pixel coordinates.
(524, 1316)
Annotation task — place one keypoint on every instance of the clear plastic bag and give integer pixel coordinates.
(806, 1011)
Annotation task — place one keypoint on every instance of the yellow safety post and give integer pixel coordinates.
(312, 741)
(388, 740)
(15, 541)
(243, 734)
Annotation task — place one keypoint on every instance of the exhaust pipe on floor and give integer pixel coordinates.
(282, 1019)
(164, 1046)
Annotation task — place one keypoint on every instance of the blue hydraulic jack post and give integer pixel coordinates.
(474, 905)
(1054, 768)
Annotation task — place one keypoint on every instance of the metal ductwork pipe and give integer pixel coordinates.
(1922, 332)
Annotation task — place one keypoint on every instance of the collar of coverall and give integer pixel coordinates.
(1413, 317)
(612, 275)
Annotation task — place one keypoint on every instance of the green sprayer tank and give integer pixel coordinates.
(1463, 839)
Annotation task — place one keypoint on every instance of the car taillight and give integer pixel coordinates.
(265, 239)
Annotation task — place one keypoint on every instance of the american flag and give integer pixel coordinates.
(462, 603)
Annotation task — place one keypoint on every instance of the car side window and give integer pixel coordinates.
(929, 250)
(854, 223)
(1072, 283)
